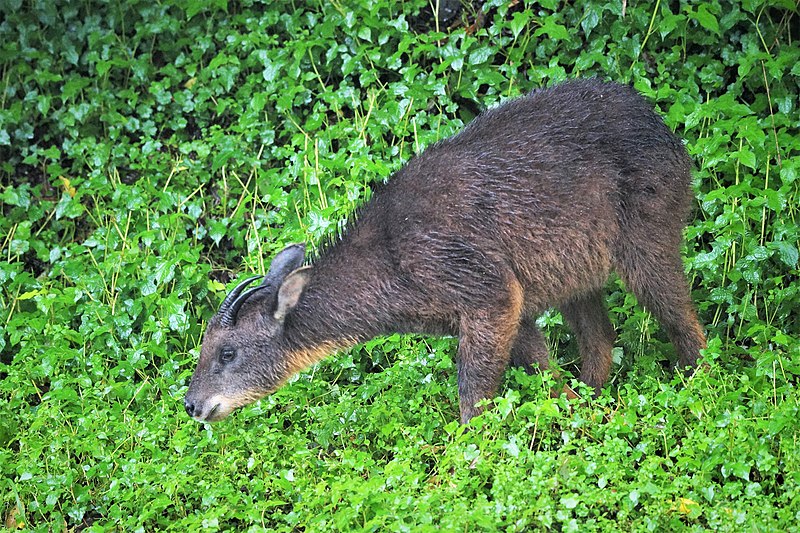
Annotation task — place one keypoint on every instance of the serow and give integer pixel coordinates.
(530, 207)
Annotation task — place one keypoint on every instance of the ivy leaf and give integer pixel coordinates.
(68, 207)
(175, 311)
(365, 33)
(553, 30)
(271, 69)
(480, 56)
(221, 158)
(787, 252)
(706, 19)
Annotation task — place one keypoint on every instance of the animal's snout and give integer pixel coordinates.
(189, 406)
(206, 410)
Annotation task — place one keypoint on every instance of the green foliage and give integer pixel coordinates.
(150, 153)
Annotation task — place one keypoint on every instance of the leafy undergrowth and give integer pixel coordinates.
(152, 154)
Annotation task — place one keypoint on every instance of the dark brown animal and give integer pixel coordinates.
(531, 206)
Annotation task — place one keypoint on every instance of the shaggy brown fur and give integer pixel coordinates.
(531, 206)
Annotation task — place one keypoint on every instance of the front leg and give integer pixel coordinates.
(484, 350)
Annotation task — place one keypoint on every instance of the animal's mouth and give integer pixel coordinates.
(210, 416)
(225, 405)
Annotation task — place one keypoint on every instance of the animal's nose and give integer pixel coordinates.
(189, 406)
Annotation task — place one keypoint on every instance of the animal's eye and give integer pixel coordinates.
(227, 355)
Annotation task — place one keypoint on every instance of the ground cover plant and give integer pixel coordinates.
(153, 154)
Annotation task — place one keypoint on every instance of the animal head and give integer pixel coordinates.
(244, 354)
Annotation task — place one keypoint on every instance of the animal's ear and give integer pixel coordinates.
(287, 260)
(290, 291)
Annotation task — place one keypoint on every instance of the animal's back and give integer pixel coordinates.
(543, 185)
(578, 122)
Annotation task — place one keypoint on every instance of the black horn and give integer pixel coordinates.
(227, 311)
(287, 260)
(237, 304)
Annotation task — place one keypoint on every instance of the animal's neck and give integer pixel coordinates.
(338, 309)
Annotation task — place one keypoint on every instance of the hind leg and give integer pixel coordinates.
(530, 350)
(529, 353)
(656, 278)
(588, 317)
